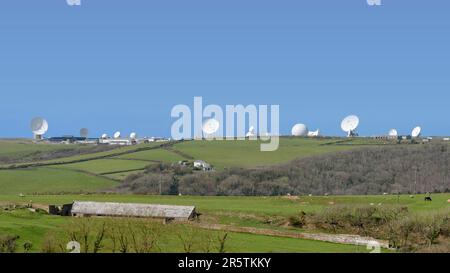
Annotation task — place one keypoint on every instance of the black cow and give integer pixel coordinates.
(428, 198)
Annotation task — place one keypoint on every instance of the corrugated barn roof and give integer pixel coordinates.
(132, 210)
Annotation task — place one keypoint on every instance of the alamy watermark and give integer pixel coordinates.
(230, 124)
(78, 2)
(374, 2)
(73, 2)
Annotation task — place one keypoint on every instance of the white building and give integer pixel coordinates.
(202, 165)
(121, 142)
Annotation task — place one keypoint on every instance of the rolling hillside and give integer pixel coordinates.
(253, 224)
(92, 171)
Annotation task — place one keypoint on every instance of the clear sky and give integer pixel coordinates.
(122, 64)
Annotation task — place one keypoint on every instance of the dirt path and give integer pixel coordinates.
(324, 237)
(178, 152)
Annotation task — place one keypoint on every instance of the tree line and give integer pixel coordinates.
(405, 169)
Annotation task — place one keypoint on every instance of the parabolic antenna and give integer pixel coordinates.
(104, 136)
(39, 127)
(349, 125)
(393, 133)
(251, 132)
(84, 132)
(133, 135)
(314, 133)
(210, 126)
(117, 135)
(300, 130)
(416, 132)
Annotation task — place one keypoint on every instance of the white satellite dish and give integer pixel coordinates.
(117, 135)
(39, 127)
(393, 133)
(133, 135)
(210, 127)
(416, 132)
(251, 132)
(349, 125)
(84, 132)
(299, 130)
(104, 136)
(314, 133)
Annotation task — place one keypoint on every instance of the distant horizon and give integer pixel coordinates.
(122, 66)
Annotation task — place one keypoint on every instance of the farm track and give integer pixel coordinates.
(135, 159)
(324, 237)
(178, 152)
(124, 171)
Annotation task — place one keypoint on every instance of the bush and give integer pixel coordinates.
(363, 220)
(298, 221)
(8, 243)
(27, 246)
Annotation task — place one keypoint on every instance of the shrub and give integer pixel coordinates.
(8, 243)
(27, 246)
(298, 221)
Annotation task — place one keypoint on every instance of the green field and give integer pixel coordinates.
(45, 180)
(247, 153)
(106, 166)
(154, 155)
(17, 150)
(233, 211)
(251, 205)
(64, 179)
(35, 227)
(21, 147)
(31, 148)
(91, 172)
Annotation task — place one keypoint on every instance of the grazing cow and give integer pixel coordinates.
(428, 198)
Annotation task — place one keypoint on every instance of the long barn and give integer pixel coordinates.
(181, 213)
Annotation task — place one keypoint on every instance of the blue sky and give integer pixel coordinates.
(121, 65)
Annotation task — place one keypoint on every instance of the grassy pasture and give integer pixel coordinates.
(104, 166)
(247, 153)
(95, 174)
(46, 180)
(91, 156)
(252, 205)
(235, 211)
(154, 155)
(25, 146)
(35, 227)
(20, 150)
(121, 175)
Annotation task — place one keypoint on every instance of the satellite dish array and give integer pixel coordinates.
(301, 130)
(118, 135)
(39, 126)
(349, 125)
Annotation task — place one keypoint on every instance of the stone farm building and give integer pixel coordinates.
(179, 213)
